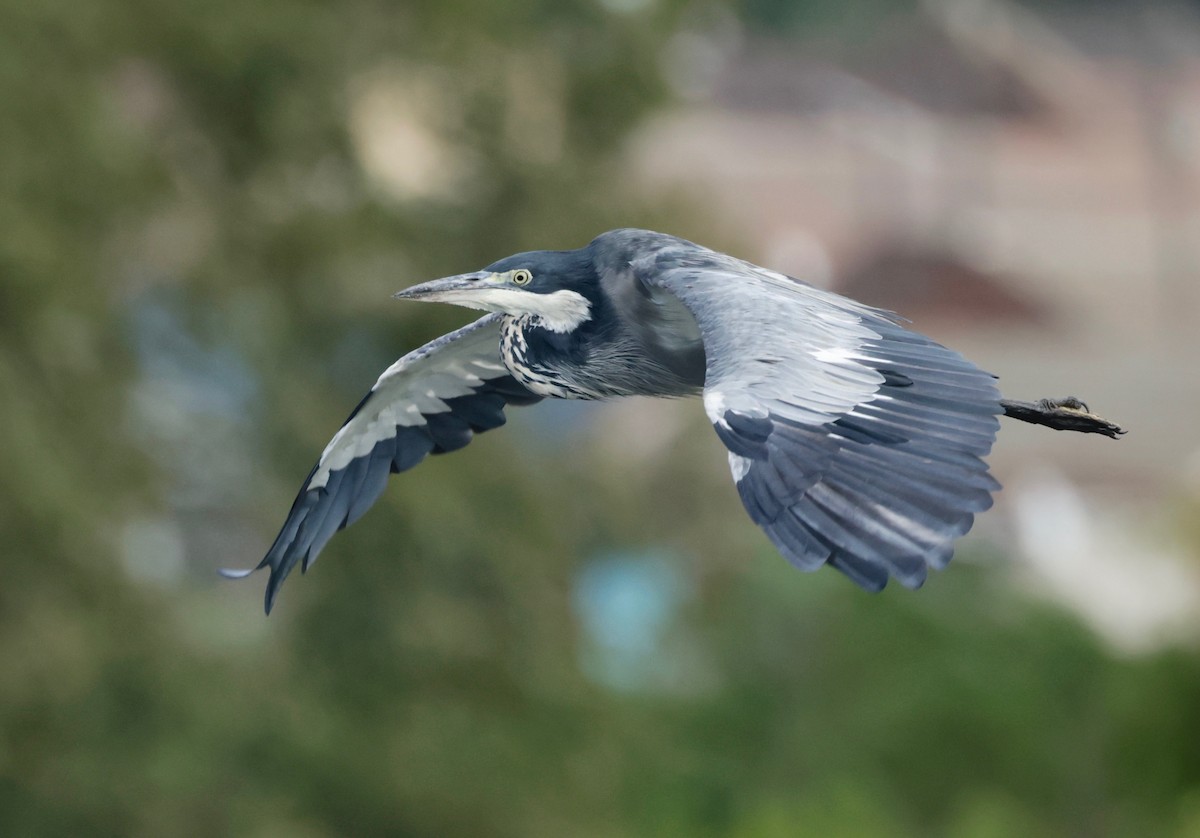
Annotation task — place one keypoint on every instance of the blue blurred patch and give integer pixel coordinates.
(191, 404)
(203, 380)
(627, 604)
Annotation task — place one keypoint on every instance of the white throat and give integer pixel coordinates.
(560, 311)
(563, 310)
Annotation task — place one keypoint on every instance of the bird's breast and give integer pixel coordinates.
(541, 371)
(585, 364)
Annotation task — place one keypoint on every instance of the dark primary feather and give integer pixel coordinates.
(445, 392)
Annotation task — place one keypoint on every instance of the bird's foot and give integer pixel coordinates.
(1071, 403)
(1065, 414)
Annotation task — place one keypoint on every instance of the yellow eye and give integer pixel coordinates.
(521, 277)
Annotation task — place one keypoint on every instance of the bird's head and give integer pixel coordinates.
(555, 287)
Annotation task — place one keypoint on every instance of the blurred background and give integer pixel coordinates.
(571, 628)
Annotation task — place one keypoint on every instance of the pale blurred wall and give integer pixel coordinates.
(1049, 161)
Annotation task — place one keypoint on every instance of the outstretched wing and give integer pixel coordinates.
(431, 401)
(854, 442)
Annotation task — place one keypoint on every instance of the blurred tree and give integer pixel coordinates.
(203, 207)
(195, 192)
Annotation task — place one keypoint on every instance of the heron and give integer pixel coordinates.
(854, 442)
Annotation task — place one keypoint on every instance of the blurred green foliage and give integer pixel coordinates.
(194, 268)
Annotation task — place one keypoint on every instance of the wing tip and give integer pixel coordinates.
(273, 582)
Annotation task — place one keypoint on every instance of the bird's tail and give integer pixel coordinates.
(1067, 414)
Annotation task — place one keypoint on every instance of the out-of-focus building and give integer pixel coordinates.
(1025, 188)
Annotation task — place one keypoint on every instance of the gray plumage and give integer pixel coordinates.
(853, 441)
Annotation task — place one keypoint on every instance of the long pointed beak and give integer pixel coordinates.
(444, 289)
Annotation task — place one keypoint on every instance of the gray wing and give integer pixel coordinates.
(854, 442)
(431, 401)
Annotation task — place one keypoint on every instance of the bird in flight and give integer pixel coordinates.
(854, 442)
